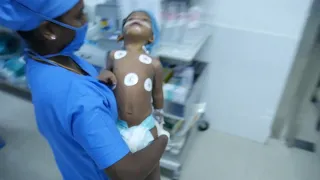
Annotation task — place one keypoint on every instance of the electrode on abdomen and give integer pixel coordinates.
(131, 79)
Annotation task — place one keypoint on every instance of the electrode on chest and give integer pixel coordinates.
(120, 54)
(148, 85)
(145, 59)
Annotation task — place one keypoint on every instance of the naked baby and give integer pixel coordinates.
(138, 79)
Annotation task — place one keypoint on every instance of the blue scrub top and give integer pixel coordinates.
(77, 116)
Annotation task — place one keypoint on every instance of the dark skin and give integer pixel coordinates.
(50, 38)
(135, 110)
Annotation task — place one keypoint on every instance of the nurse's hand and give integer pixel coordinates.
(108, 78)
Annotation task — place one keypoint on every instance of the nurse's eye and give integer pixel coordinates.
(82, 18)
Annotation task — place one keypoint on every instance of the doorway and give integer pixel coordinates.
(297, 116)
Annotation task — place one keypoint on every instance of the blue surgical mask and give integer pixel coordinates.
(77, 42)
(74, 45)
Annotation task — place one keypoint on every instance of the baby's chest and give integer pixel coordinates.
(124, 67)
(134, 75)
(132, 63)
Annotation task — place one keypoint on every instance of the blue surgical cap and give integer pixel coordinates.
(155, 29)
(25, 15)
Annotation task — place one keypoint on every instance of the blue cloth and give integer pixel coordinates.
(21, 14)
(148, 123)
(77, 115)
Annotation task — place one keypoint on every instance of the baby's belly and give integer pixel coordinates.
(134, 104)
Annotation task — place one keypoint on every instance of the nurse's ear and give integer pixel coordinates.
(46, 31)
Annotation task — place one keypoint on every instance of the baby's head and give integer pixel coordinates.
(142, 25)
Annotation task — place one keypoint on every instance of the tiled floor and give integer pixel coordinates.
(215, 156)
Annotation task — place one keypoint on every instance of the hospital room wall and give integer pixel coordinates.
(251, 54)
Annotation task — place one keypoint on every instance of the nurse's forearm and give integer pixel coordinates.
(139, 165)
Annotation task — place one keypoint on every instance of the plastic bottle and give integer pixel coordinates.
(194, 25)
(194, 15)
(170, 31)
(182, 20)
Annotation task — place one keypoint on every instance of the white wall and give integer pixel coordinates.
(251, 53)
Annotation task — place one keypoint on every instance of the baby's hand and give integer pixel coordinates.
(158, 115)
(108, 78)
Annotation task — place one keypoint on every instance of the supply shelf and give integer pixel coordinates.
(193, 113)
(185, 50)
(16, 90)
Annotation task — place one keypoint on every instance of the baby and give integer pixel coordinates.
(138, 83)
(138, 80)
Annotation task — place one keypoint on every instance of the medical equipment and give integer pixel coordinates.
(90, 9)
(2, 143)
(10, 44)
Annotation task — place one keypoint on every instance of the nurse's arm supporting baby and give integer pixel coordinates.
(139, 165)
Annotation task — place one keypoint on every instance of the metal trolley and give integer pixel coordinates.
(194, 119)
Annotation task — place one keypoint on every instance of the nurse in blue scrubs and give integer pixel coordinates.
(74, 111)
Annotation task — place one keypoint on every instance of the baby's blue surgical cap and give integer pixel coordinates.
(155, 29)
(25, 15)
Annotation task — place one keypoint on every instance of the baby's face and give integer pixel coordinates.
(138, 23)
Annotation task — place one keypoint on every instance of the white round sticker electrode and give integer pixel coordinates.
(145, 59)
(148, 85)
(120, 54)
(131, 79)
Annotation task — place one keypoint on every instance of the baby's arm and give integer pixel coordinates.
(157, 95)
(157, 92)
(107, 75)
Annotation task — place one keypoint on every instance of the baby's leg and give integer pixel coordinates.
(155, 175)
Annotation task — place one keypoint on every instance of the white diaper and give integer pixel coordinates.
(137, 137)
